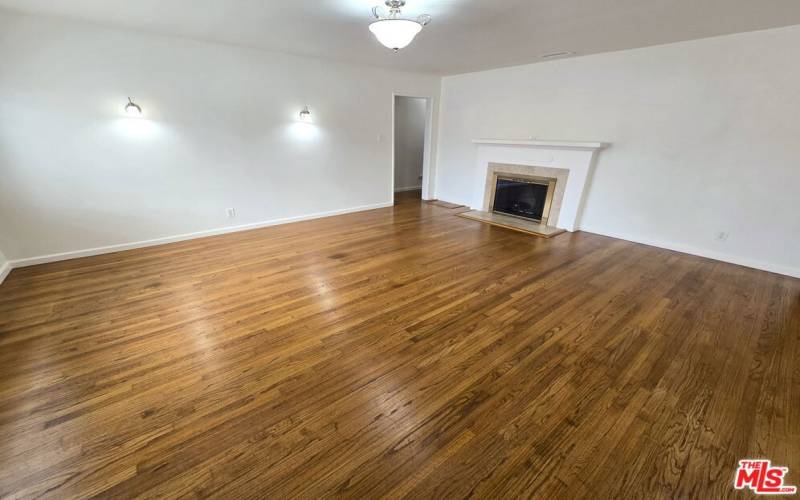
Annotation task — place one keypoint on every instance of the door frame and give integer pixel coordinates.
(427, 155)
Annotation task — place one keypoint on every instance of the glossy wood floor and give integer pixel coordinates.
(403, 352)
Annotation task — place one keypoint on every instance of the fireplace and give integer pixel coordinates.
(523, 196)
(562, 166)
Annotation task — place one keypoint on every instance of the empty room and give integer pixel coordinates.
(401, 249)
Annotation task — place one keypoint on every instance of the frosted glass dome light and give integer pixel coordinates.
(393, 31)
(395, 34)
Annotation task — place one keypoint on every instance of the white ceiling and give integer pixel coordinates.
(465, 35)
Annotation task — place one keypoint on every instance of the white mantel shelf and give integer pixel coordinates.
(577, 158)
(543, 144)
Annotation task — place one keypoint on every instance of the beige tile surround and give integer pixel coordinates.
(560, 174)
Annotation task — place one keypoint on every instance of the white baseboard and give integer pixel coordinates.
(44, 259)
(4, 270)
(702, 252)
(404, 189)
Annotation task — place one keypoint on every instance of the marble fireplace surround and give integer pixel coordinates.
(570, 163)
(561, 175)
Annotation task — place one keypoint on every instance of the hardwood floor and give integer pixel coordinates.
(398, 352)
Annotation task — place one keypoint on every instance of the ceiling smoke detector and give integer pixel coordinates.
(393, 31)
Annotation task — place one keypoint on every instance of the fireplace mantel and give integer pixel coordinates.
(535, 143)
(572, 161)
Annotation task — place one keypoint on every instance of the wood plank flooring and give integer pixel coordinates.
(403, 352)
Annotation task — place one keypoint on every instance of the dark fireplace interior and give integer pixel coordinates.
(520, 198)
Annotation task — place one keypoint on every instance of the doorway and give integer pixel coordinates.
(411, 144)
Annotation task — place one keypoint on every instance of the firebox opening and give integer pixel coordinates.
(521, 198)
(524, 198)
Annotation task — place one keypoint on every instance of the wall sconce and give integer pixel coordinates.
(132, 109)
(305, 115)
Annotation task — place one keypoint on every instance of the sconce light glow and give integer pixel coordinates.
(303, 132)
(136, 129)
(132, 109)
(305, 115)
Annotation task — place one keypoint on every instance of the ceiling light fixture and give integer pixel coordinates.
(393, 31)
(305, 115)
(132, 109)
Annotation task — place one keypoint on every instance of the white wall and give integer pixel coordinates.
(221, 131)
(5, 267)
(410, 118)
(704, 133)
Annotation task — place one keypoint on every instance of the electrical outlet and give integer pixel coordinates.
(722, 236)
(231, 213)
